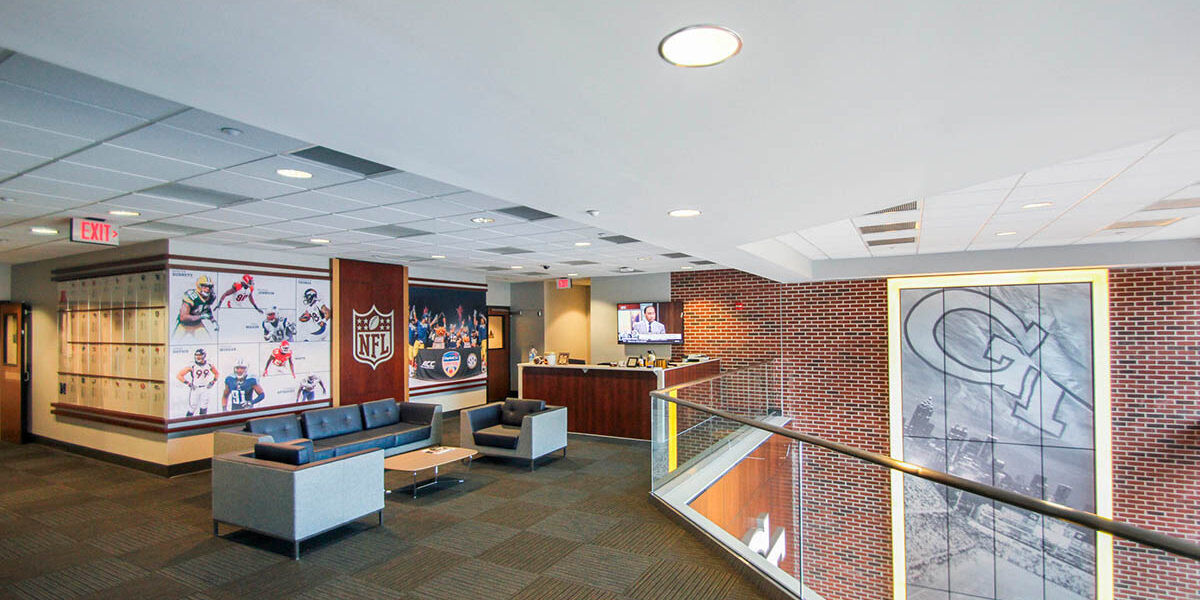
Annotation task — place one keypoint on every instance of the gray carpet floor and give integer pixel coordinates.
(579, 527)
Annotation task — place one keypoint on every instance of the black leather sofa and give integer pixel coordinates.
(394, 427)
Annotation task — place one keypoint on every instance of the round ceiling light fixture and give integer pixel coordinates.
(231, 131)
(685, 212)
(700, 46)
(483, 220)
(294, 173)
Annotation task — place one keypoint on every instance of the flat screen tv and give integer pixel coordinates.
(650, 323)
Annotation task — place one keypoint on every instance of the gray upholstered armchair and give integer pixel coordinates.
(516, 428)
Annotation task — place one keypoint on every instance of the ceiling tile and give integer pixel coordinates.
(148, 203)
(208, 124)
(31, 72)
(320, 201)
(479, 201)
(107, 156)
(338, 221)
(44, 111)
(321, 176)
(241, 185)
(436, 225)
(417, 184)
(237, 218)
(370, 192)
(11, 162)
(275, 208)
(294, 228)
(194, 221)
(95, 176)
(189, 147)
(384, 214)
(76, 193)
(31, 140)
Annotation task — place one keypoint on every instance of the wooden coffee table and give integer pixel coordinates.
(428, 458)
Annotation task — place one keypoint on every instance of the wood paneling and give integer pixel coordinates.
(499, 383)
(359, 286)
(612, 402)
(691, 372)
(749, 490)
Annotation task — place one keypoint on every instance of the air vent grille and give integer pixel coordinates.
(676, 255)
(341, 160)
(507, 250)
(1142, 223)
(619, 239)
(580, 262)
(524, 212)
(1179, 203)
(196, 195)
(703, 262)
(394, 231)
(907, 206)
(869, 229)
(892, 241)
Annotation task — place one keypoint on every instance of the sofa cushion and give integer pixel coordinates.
(353, 442)
(498, 436)
(514, 410)
(405, 433)
(294, 453)
(329, 422)
(415, 412)
(281, 429)
(380, 413)
(483, 417)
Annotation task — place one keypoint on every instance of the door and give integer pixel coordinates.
(13, 374)
(498, 353)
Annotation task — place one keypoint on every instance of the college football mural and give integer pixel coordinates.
(239, 341)
(447, 336)
(997, 387)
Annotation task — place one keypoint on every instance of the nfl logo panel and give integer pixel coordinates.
(373, 339)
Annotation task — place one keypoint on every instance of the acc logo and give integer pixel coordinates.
(472, 360)
(450, 362)
(373, 337)
(428, 364)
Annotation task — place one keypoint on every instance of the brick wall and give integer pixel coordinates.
(831, 338)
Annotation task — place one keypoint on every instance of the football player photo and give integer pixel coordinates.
(199, 377)
(277, 328)
(308, 388)
(241, 390)
(314, 317)
(280, 361)
(242, 292)
(195, 318)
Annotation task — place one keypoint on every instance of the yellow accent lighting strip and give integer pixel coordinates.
(1102, 402)
(672, 437)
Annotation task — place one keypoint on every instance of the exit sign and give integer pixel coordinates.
(564, 283)
(94, 232)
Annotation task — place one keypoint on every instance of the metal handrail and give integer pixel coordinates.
(1121, 529)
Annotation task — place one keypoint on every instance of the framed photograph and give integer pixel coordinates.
(564, 358)
(632, 361)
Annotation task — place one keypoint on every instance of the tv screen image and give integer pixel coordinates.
(650, 323)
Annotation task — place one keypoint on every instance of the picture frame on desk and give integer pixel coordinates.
(631, 362)
(563, 358)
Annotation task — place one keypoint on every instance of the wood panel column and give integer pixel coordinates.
(370, 358)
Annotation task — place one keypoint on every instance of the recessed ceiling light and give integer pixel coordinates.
(1004, 233)
(643, 258)
(687, 267)
(572, 274)
(437, 256)
(124, 213)
(593, 212)
(319, 240)
(626, 269)
(43, 231)
(699, 46)
(231, 131)
(1038, 205)
(483, 220)
(684, 212)
(294, 173)
(582, 244)
(516, 267)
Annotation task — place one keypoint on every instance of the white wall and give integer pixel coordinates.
(528, 324)
(607, 292)
(567, 323)
(499, 293)
(449, 400)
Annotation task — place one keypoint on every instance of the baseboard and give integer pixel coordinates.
(125, 461)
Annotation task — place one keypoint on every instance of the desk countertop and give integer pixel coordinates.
(674, 365)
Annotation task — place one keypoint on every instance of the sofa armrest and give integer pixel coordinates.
(419, 414)
(543, 432)
(227, 441)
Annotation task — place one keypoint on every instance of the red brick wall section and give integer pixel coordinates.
(831, 338)
(1155, 329)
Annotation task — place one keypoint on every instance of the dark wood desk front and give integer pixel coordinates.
(604, 400)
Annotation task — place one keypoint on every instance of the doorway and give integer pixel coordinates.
(14, 372)
(498, 353)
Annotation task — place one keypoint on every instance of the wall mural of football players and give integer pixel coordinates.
(447, 331)
(314, 312)
(252, 340)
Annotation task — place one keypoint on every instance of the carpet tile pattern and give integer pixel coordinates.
(580, 527)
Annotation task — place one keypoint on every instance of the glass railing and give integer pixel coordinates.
(821, 520)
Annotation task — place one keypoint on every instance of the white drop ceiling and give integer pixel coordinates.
(75, 146)
(832, 110)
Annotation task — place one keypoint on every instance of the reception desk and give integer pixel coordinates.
(605, 400)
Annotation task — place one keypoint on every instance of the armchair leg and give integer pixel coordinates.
(216, 528)
(532, 462)
(564, 451)
(380, 519)
(296, 550)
